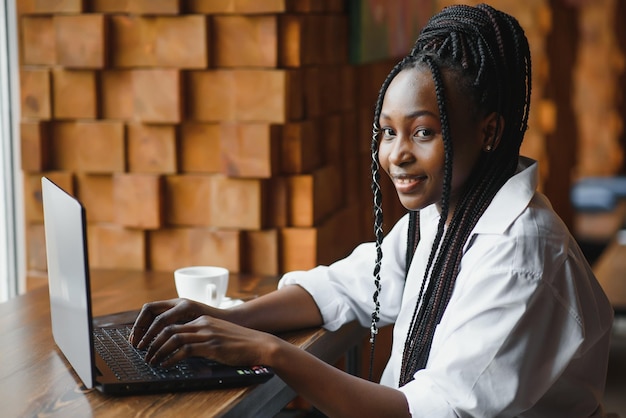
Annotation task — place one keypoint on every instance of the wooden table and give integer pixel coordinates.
(610, 269)
(35, 379)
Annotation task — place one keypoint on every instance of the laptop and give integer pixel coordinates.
(85, 341)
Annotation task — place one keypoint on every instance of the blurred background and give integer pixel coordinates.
(238, 131)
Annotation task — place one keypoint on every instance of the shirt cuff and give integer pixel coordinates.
(334, 312)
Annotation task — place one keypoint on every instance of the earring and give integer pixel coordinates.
(488, 148)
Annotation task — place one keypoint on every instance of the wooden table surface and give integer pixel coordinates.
(35, 379)
(610, 269)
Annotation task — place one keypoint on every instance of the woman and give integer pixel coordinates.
(496, 311)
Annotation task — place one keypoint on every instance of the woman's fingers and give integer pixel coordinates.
(206, 337)
(175, 343)
(155, 316)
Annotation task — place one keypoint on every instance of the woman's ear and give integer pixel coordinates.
(493, 126)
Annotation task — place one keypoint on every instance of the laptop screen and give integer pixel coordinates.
(68, 278)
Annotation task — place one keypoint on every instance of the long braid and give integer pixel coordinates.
(378, 214)
(472, 44)
(417, 340)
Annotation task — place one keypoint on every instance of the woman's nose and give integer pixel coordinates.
(401, 151)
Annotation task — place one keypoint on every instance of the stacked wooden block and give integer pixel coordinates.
(199, 132)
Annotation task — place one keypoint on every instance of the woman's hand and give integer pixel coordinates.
(155, 316)
(209, 337)
(175, 329)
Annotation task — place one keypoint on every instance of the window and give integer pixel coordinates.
(12, 270)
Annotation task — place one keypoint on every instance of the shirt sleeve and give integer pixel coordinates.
(344, 290)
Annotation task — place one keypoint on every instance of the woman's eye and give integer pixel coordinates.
(423, 133)
(388, 132)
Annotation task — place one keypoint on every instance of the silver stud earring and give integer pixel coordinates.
(488, 148)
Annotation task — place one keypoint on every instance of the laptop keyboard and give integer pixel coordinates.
(128, 363)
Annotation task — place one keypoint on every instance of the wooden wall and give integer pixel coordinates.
(237, 132)
(199, 132)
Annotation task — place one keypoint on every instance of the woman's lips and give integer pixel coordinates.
(407, 184)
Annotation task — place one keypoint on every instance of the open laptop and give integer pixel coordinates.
(82, 341)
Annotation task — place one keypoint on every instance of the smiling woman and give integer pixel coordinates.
(11, 238)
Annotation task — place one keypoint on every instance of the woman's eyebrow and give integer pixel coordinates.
(412, 115)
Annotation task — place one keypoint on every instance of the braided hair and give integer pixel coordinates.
(486, 53)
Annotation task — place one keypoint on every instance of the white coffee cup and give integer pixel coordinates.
(206, 284)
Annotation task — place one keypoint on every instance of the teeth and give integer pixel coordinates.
(404, 180)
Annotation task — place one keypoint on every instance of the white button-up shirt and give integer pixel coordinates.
(526, 331)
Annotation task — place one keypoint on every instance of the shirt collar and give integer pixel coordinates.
(511, 199)
(507, 204)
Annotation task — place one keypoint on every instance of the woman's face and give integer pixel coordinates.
(411, 143)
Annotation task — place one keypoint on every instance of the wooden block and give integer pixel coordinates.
(238, 203)
(187, 200)
(278, 202)
(333, 144)
(330, 89)
(113, 247)
(33, 207)
(36, 248)
(245, 41)
(307, 6)
(200, 148)
(75, 94)
(116, 94)
(335, 48)
(261, 249)
(314, 196)
(110, 6)
(35, 146)
(339, 234)
(268, 95)
(80, 40)
(336, 6)
(160, 41)
(299, 248)
(301, 149)
(38, 40)
(168, 249)
(96, 193)
(173, 248)
(311, 94)
(35, 94)
(299, 44)
(145, 7)
(265, 6)
(57, 6)
(250, 149)
(138, 200)
(238, 6)
(90, 146)
(130, 41)
(305, 248)
(353, 138)
(211, 6)
(215, 247)
(181, 42)
(162, 104)
(100, 147)
(151, 148)
(210, 95)
(291, 30)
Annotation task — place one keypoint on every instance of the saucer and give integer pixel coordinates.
(229, 303)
